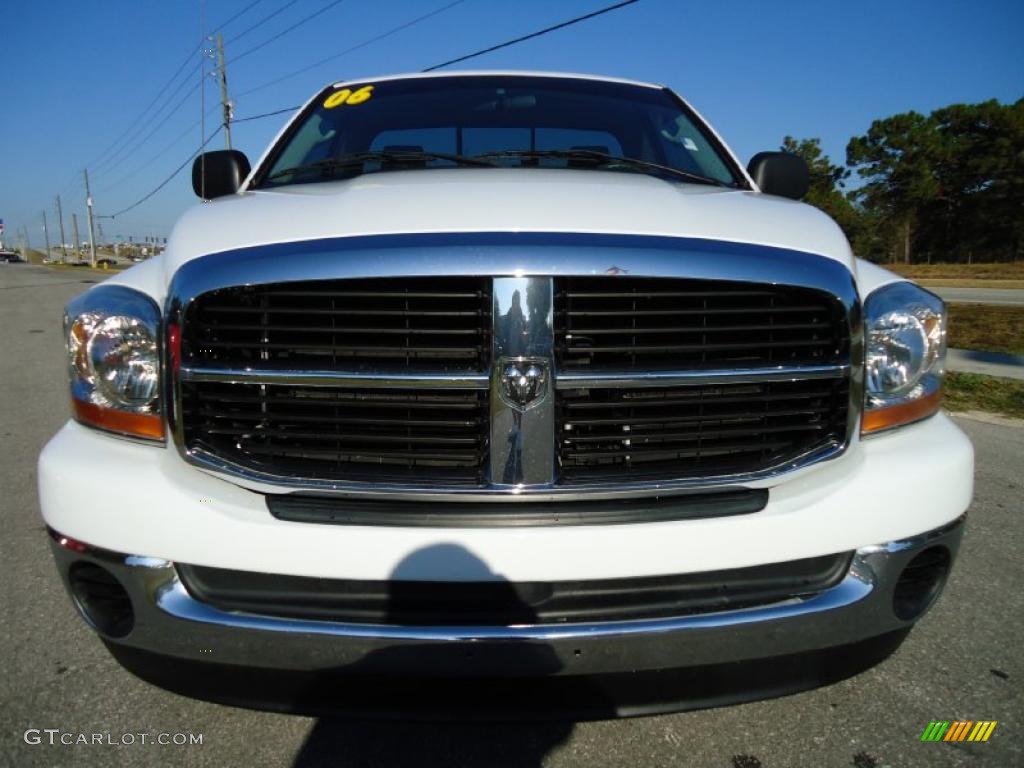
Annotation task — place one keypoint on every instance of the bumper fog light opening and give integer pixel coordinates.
(101, 599)
(921, 582)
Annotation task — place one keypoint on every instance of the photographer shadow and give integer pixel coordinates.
(428, 704)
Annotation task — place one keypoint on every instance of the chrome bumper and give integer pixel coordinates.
(170, 622)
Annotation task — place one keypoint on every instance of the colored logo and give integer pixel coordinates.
(958, 730)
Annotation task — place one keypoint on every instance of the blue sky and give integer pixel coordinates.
(76, 74)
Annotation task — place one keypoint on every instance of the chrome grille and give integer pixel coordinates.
(697, 430)
(412, 432)
(634, 327)
(395, 384)
(625, 323)
(374, 324)
(377, 434)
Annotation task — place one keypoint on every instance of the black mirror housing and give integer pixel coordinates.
(219, 173)
(780, 173)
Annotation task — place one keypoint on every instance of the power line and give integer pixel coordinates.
(72, 184)
(173, 143)
(103, 158)
(265, 114)
(506, 44)
(244, 10)
(377, 38)
(262, 21)
(532, 35)
(284, 32)
(131, 145)
(157, 125)
(103, 155)
(166, 181)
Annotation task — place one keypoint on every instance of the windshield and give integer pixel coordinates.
(495, 120)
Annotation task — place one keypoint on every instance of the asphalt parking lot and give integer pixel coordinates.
(964, 660)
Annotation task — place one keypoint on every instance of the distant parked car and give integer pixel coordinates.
(10, 257)
(106, 263)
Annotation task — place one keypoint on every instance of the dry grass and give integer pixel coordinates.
(1013, 270)
(973, 392)
(987, 327)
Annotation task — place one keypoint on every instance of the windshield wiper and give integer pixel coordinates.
(605, 159)
(331, 164)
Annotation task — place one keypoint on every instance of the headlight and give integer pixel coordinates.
(905, 351)
(112, 337)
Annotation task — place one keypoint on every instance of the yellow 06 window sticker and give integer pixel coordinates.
(348, 97)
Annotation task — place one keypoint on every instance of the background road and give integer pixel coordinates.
(964, 661)
(1005, 296)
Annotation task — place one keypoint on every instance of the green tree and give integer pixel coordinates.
(980, 171)
(826, 189)
(895, 159)
(946, 187)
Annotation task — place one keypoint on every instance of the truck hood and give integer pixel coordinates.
(501, 200)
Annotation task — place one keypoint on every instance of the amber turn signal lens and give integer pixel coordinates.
(878, 419)
(146, 425)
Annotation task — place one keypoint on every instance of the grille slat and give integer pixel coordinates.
(709, 311)
(346, 330)
(320, 397)
(350, 420)
(348, 350)
(689, 398)
(655, 293)
(343, 437)
(316, 311)
(735, 448)
(646, 349)
(693, 420)
(371, 294)
(425, 458)
(697, 329)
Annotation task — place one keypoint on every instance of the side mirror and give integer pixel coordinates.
(215, 174)
(780, 173)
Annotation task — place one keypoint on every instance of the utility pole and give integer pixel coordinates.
(225, 103)
(46, 236)
(60, 218)
(92, 229)
(74, 231)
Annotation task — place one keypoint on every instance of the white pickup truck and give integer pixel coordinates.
(508, 379)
